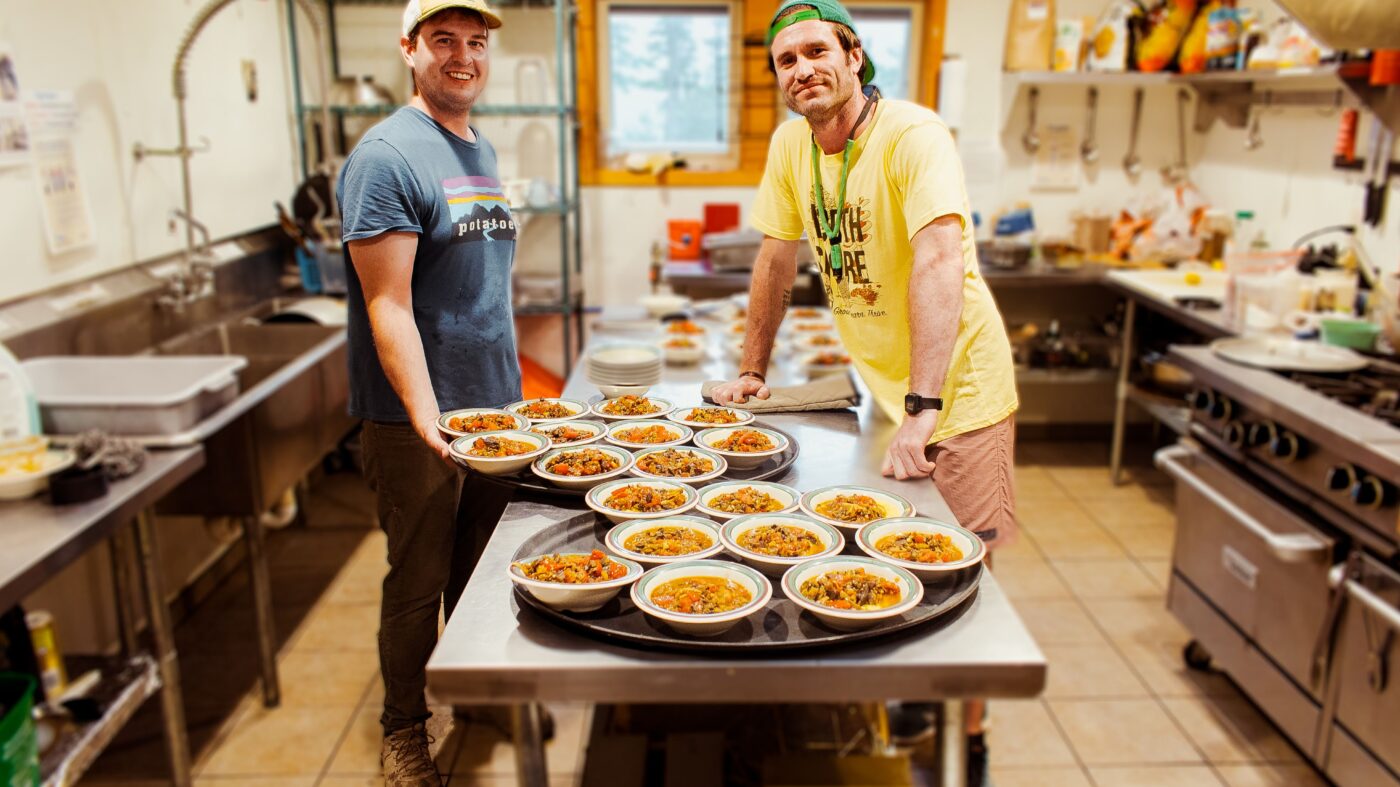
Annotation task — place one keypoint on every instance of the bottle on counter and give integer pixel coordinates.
(52, 674)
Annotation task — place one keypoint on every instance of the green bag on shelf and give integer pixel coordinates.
(19, 746)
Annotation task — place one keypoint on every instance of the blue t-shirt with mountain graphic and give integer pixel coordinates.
(410, 174)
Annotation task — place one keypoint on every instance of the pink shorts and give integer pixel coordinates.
(973, 471)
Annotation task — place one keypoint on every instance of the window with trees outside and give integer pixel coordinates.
(668, 79)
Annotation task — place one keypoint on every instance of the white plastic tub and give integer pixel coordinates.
(131, 395)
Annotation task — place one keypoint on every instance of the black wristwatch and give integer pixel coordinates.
(915, 404)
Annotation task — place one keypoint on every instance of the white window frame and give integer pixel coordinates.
(709, 159)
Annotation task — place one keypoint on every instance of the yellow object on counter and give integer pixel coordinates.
(1193, 278)
(23, 456)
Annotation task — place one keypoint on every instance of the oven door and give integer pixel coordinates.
(1261, 564)
(1365, 677)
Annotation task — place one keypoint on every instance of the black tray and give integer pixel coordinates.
(773, 467)
(781, 626)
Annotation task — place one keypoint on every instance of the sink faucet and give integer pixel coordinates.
(195, 277)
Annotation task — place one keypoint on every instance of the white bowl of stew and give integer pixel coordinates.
(774, 543)
(922, 545)
(476, 420)
(497, 453)
(851, 507)
(583, 581)
(871, 590)
(582, 467)
(733, 591)
(730, 499)
(679, 463)
(678, 498)
(548, 409)
(656, 542)
(730, 443)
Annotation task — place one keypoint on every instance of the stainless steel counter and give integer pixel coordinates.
(1138, 288)
(38, 539)
(494, 652)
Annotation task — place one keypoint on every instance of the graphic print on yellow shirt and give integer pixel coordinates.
(904, 172)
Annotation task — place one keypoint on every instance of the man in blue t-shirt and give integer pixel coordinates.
(431, 242)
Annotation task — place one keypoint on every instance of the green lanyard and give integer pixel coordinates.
(832, 232)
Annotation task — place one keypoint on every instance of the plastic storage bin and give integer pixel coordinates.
(131, 395)
(19, 743)
(330, 260)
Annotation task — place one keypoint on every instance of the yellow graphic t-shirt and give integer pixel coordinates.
(904, 173)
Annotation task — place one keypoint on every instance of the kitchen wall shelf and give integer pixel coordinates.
(1228, 95)
(568, 205)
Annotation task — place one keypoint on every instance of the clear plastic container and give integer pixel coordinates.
(1261, 290)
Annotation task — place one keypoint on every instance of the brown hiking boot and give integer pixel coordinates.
(405, 759)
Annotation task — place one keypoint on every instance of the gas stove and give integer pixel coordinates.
(1374, 390)
(1331, 442)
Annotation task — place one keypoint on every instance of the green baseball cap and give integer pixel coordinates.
(825, 11)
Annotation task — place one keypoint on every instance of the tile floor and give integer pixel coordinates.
(1088, 576)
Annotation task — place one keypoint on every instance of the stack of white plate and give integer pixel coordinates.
(620, 369)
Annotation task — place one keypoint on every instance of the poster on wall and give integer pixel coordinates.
(1056, 164)
(14, 135)
(52, 117)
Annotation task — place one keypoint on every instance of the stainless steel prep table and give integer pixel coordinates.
(1210, 323)
(493, 652)
(37, 540)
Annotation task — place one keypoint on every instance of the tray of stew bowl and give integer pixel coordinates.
(780, 626)
(773, 467)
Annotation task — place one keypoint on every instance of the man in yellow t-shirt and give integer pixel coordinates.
(878, 188)
(898, 261)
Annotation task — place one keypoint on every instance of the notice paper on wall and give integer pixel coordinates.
(52, 120)
(1056, 164)
(14, 136)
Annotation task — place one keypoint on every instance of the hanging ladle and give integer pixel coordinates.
(1089, 150)
(1132, 164)
(1254, 140)
(1179, 171)
(1031, 140)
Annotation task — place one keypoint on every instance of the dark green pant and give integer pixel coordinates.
(437, 527)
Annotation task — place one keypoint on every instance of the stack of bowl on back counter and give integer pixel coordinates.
(698, 535)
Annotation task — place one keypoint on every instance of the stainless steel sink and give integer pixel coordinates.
(290, 412)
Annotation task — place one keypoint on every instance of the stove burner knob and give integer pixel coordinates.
(1222, 408)
(1201, 400)
(1234, 434)
(1285, 446)
(1371, 492)
(1340, 477)
(1261, 434)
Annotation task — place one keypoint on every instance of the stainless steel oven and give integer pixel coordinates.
(1286, 566)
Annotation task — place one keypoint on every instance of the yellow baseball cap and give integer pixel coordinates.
(418, 10)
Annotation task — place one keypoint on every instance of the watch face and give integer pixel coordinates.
(911, 405)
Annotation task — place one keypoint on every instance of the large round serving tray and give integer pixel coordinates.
(772, 468)
(781, 626)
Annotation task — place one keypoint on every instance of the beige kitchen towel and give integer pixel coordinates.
(834, 392)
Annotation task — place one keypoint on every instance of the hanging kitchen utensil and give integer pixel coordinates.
(1089, 150)
(1253, 140)
(1031, 140)
(1177, 172)
(1132, 164)
(1382, 139)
